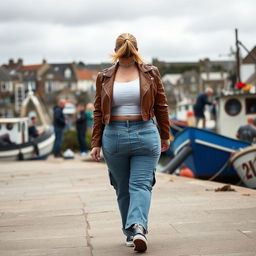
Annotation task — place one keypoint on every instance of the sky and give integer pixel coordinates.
(82, 30)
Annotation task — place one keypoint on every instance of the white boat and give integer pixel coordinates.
(244, 162)
(15, 143)
(233, 110)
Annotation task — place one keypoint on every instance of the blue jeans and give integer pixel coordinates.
(58, 140)
(131, 150)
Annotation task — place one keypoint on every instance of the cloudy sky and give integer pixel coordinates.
(171, 30)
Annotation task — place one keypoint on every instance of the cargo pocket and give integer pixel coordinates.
(154, 177)
(112, 180)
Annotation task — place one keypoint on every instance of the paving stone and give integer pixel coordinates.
(58, 207)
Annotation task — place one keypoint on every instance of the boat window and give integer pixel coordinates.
(250, 106)
(23, 126)
(233, 107)
(9, 126)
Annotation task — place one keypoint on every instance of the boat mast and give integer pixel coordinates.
(238, 76)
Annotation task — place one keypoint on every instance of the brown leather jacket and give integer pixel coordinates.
(152, 96)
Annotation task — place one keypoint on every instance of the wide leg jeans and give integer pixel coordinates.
(131, 150)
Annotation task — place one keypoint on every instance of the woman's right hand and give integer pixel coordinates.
(95, 154)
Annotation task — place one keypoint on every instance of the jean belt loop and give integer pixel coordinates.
(127, 123)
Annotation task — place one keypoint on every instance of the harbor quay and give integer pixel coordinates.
(68, 208)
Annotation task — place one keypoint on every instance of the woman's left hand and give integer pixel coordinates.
(165, 144)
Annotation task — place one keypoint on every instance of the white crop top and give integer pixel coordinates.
(126, 98)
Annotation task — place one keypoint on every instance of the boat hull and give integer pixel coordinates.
(39, 148)
(210, 152)
(244, 162)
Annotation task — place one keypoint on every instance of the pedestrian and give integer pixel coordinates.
(128, 96)
(199, 106)
(81, 124)
(89, 115)
(247, 132)
(59, 123)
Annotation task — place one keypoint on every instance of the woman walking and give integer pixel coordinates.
(128, 95)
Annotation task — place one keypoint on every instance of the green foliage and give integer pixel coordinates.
(70, 140)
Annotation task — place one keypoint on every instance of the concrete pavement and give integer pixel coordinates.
(68, 208)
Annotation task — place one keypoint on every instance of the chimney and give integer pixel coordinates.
(11, 62)
(20, 62)
(44, 61)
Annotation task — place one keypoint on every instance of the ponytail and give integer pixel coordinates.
(126, 46)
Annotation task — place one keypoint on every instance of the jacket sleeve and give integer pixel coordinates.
(161, 107)
(98, 126)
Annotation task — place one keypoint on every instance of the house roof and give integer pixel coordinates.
(4, 75)
(98, 67)
(31, 67)
(249, 59)
(83, 74)
(61, 68)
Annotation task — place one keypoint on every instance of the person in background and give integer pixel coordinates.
(59, 123)
(81, 125)
(89, 115)
(199, 106)
(5, 140)
(247, 132)
(33, 132)
(254, 122)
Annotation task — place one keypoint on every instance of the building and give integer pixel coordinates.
(6, 93)
(32, 75)
(86, 80)
(248, 68)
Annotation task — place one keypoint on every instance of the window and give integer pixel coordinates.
(49, 76)
(250, 106)
(67, 73)
(48, 86)
(233, 107)
(9, 126)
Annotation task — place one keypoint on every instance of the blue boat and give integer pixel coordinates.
(205, 153)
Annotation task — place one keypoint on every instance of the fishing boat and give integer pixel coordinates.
(205, 153)
(234, 108)
(244, 162)
(15, 143)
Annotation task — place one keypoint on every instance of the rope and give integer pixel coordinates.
(176, 127)
(220, 171)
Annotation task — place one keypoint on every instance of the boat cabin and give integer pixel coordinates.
(233, 111)
(16, 128)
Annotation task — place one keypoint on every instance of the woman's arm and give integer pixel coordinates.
(161, 107)
(98, 126)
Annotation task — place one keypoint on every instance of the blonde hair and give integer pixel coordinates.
(126, 46)
(90, 106)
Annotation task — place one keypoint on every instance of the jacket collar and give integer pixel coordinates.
(144, 78)
(110, 71)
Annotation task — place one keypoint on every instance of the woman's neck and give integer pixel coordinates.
(126, 62)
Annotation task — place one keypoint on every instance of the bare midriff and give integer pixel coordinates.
(123, 118)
